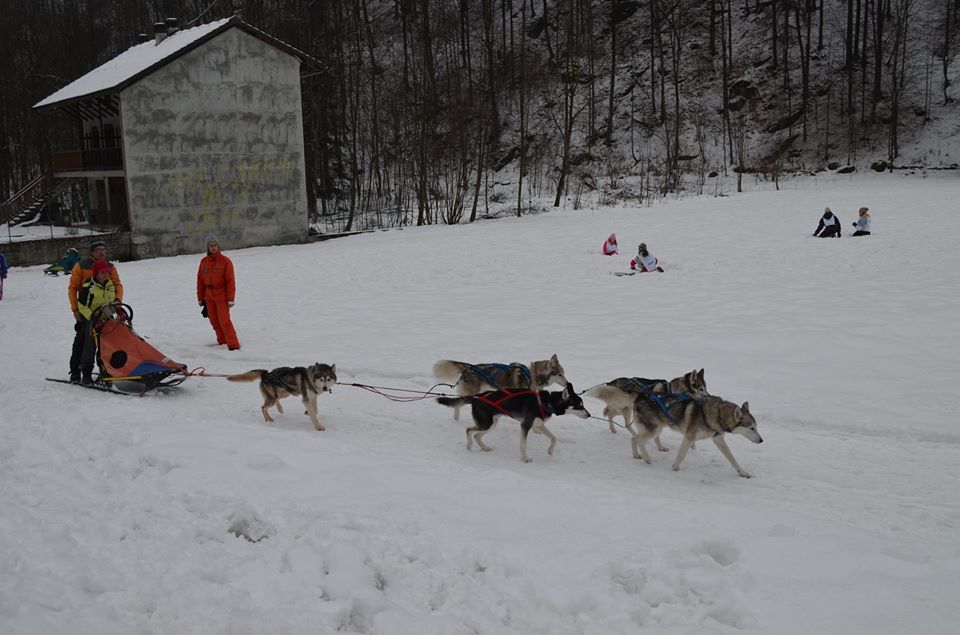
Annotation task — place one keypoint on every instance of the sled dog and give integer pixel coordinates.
(286, 382)
(694, 418)
(472, 379)
(532, 408)
(618, 395)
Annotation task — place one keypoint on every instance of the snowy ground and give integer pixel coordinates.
(117, 511)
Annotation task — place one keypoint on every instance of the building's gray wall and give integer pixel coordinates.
(213, 143)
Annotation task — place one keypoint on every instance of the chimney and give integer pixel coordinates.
(159, 31)
(172, 26)
(142, 37)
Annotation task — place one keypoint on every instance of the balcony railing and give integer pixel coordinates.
(88, 160)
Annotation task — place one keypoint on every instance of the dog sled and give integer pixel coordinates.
(125, 361)
(64, 265)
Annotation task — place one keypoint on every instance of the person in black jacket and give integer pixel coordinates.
(829, 226)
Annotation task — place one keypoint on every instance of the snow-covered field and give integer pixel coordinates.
(117, 513)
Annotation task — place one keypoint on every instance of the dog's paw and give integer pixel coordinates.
(663, 449)
(745, 474)
(526, 460)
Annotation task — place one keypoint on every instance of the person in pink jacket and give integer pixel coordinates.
(610, 246)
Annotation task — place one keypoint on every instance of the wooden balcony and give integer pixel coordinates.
(94, 160)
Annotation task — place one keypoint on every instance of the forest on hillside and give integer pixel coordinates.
(433, 111)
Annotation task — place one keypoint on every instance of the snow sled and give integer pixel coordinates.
(65, 264)
(122, 355)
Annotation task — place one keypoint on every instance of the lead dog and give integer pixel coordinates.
(286, 381)
(694, 418)
(472, 379)
(619, 394)
(531, 408)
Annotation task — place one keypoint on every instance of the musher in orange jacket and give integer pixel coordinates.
(79, 276)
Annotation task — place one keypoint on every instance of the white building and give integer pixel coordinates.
(196, 131)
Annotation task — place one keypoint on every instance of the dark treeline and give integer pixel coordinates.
(428, 111)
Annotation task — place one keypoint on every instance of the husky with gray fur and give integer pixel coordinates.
(694, 418)
(619, 394)
(530, 407)
(472, 379)
(286, 381)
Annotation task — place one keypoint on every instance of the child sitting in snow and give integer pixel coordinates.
(863, 224)
(645, 261)
(610, 246)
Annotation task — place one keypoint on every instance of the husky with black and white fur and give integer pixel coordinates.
(531, 408)
(471, 379)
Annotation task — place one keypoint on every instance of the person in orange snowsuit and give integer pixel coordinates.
(216, 290)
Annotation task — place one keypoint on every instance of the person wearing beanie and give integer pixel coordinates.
(610, 245)
(81, 274)
(863, 223)
(829, 226)
(645, 261)
(99, 291)
(216, 291)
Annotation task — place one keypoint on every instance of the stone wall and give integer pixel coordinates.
(213, 143)
(45, 252)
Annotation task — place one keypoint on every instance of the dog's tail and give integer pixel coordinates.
(250, 375)
(448, 370)
(453, 402)
(603, 392)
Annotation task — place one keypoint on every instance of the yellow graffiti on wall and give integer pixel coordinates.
(229, 185)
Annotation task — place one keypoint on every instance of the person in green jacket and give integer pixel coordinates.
(96, 293)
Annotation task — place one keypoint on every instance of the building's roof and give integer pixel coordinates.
(141, 60)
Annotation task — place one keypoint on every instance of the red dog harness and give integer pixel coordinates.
(510, 395)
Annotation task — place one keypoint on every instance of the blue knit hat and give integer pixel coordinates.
(211, 238)
(97, 243)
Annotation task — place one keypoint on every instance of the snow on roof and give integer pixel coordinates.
(132, 62)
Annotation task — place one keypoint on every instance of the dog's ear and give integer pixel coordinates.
(746, 407)
(700, 376)
(737, 414)
(333, 367)
(553, 358)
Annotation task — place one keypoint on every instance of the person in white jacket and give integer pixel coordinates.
(645, 261)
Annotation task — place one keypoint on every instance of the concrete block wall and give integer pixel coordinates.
(45, 252)
(213, 143)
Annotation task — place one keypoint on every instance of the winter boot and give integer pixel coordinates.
(87, 379)
(74, 376)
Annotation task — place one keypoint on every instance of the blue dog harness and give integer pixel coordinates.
(491, 372)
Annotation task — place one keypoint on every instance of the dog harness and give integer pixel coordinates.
(273, 378)
(491, 372)
(648, 385)
(675, 398)
(507, 395)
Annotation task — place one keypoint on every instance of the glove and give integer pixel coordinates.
(200, 303)
(76, 315)
(230, 304)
